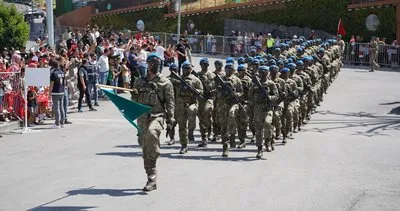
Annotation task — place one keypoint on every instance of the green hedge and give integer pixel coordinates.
(14, 31)
(302, 13)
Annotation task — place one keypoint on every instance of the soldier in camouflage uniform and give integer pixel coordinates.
(216, 122)
(304, 95)
(278, 108)
(176, 85)
(156, 91)
(245, 110)
(227, 108)
(289, 103)
(300, 91)
(206, 105)
(263, 110)
(186, 104)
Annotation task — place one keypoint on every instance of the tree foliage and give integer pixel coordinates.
(14, 31)
(315, 14)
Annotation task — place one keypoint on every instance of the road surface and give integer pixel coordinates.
(346, 158)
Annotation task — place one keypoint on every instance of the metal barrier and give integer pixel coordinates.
(355, 53)
(359, 54)
(11, 94)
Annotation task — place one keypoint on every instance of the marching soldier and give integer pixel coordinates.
(244, 110)
(176, 85)
(263, 94)
(206, 105)
(216, 126)
(186, 103)
(278, 108)
(306, 91)
(229, 90)
(289, 103)
(300, 91)
(156, 91)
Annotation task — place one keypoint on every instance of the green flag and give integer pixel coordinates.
(129, 109)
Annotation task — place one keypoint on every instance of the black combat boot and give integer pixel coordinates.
(191, 136)
(203, 143)
(272, 145)
(268, 145)
(232, 142)
(259, 152)
(278, 134)
(171, 142)
(150, 167)
(225, 150)
(242, 144)
(184, 149)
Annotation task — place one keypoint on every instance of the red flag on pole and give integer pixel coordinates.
(340, 29)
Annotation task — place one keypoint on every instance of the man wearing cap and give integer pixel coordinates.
(289, 104)
(227, 107)
(156, 91)
(206, 105)
(61, 44)
(279, 105)
(306, 91)
(216, 126)
(187, 105)
(263, 110)
(300, 91)
(244, 110)
(176, 86)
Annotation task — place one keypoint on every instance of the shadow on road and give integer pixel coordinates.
(64, 208)
(370, 124)
(110, 192)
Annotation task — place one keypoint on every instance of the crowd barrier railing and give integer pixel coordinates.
(12, 97)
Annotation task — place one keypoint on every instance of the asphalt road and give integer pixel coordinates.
(346, 158)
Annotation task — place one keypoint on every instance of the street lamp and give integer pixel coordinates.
(179, 21)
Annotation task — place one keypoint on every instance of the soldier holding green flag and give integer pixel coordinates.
(156, 91)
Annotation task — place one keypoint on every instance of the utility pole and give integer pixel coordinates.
(179, 20)
(50, 22)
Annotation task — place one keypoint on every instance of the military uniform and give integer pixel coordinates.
(227, 110)
(186, 104)
(245, 109)
(279, 105)
(263, 113)
(206, 105)
(158, 93)
(289, 105)
(216, 122)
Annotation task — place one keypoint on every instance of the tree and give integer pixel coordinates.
(14, 31)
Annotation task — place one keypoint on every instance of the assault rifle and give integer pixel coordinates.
(185, 84)
(229, 89)
(263, 90)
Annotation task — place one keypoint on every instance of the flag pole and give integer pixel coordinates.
(114, 87)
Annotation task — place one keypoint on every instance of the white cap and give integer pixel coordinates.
(294, 36)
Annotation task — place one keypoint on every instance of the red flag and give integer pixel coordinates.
(340, 29)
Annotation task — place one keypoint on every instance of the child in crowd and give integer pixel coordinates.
(32, 105)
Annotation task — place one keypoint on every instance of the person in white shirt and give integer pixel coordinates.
(103, 68)
(142, 60)
(160, 53)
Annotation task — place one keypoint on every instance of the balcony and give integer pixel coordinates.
(357, 4)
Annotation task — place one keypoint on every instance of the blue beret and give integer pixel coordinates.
(240, 60)
(241, 67)
(255, 61)
(299, 63)
(218, 62)
(263, 68)
(258, 46)
(228, 66)
(152, 56)
(277, 49)
(204, 60)
(258, 57)
(274, 67)
(280, 61)
(173, 67)
(291, 65)
(285, 70)
(186, 64)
